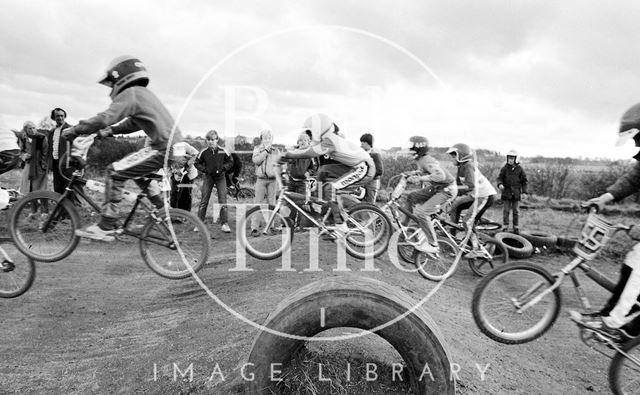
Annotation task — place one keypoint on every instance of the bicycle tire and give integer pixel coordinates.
(498, 251)
(619, 367)
(360, 245)
(17, 281)
(488, 226)
(406, 250)
(437, 267)
(504, 280)
(281, 239)
(26, 234)
(167, 262)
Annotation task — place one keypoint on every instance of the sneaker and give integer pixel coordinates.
(516, 231)
(225, 228)
(425, 246)
(94, 232)
(473, 254)
(600, 326)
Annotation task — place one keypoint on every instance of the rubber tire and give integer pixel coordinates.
(522, 248)
(26, 285)
(66, 204)
(389, 230)
(504, 256)
(540, 239)
(477, 297)
(242, 236)
(355, 302)
(202, 231)
(617, 362)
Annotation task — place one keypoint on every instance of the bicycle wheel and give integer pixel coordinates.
(159, 249)
(369, 231)
(28, 217)
(624, 371)
(437, 266)
(499, 296)
(16, 273)
(498, 255)
(405, 248)
(264, 233)
(485, 225)
(244, 194)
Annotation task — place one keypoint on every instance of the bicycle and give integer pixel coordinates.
(50, 236)
(264, 226)
(16, 274)
(238, 192)
(438, 266)
(518, 303)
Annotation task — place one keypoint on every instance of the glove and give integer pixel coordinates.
(413, 179)
(600, 201)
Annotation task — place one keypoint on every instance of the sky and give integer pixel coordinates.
(548, 78)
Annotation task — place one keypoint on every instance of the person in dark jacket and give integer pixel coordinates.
(214, 161)
(620, 315)
(372, 188)
(233, 173)
(512, 181)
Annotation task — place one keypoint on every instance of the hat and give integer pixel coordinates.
(629, 124)
(367, 138)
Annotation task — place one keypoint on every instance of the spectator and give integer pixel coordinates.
(298, 170)
(37, 159)
(512, 181)
(58, 147)
(214, 161)
(265, 156)
(372, 188)
(183, 172)
(233, 174)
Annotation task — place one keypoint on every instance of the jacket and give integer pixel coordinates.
(214, 162)
(377, 160)
(514, 180)
(298, 167)
(265, 159)
(627, 184)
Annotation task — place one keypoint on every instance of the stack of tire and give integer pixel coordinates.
(523, 245)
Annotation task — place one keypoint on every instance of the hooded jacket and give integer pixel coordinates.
(514, 180)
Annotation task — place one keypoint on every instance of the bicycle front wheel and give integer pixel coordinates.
(406, 244)
(497, 254)
(17, 274)
(624, 371)
(437, 266)
(264, 232)
(43, 229)
(369, 231)
(161, 251)
(500, 301)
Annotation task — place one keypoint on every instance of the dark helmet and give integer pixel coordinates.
(629, 124)
(462, 152)
(122, 71)
(419, 145)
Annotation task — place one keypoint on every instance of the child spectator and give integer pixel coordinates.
(298, 170)
(214, 161)
(265, 155)
(183, 172)
(372, 188)
(512, 181)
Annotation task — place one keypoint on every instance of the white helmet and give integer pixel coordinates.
(513, 153)
(629, 125)
(122, 71)
(319, 125)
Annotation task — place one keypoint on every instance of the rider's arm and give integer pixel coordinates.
(122, 106)
(311, 152)
(467, 177)
(626, 185)
(435, 172)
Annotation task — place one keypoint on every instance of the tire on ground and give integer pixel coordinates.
(518, 246)
(540, 239)
(358, 303)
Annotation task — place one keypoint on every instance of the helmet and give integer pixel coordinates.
(122, 71)
(513, 153)
(463, 152)
(419, 145)
(629, 124)
(319, 124)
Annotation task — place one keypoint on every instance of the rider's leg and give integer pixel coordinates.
(459, 204)
(618, 316)
(415, 198)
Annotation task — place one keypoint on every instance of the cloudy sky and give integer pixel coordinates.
(545, 78)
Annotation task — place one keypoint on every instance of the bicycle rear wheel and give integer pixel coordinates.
(499, 256)
(159, 249)
(498, 299)
(406, 247)
(437, 266)
(28, 217)
(624, 371)
(17, 276)
(264, 232)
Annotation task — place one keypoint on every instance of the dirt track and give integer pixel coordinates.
(101, 322)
